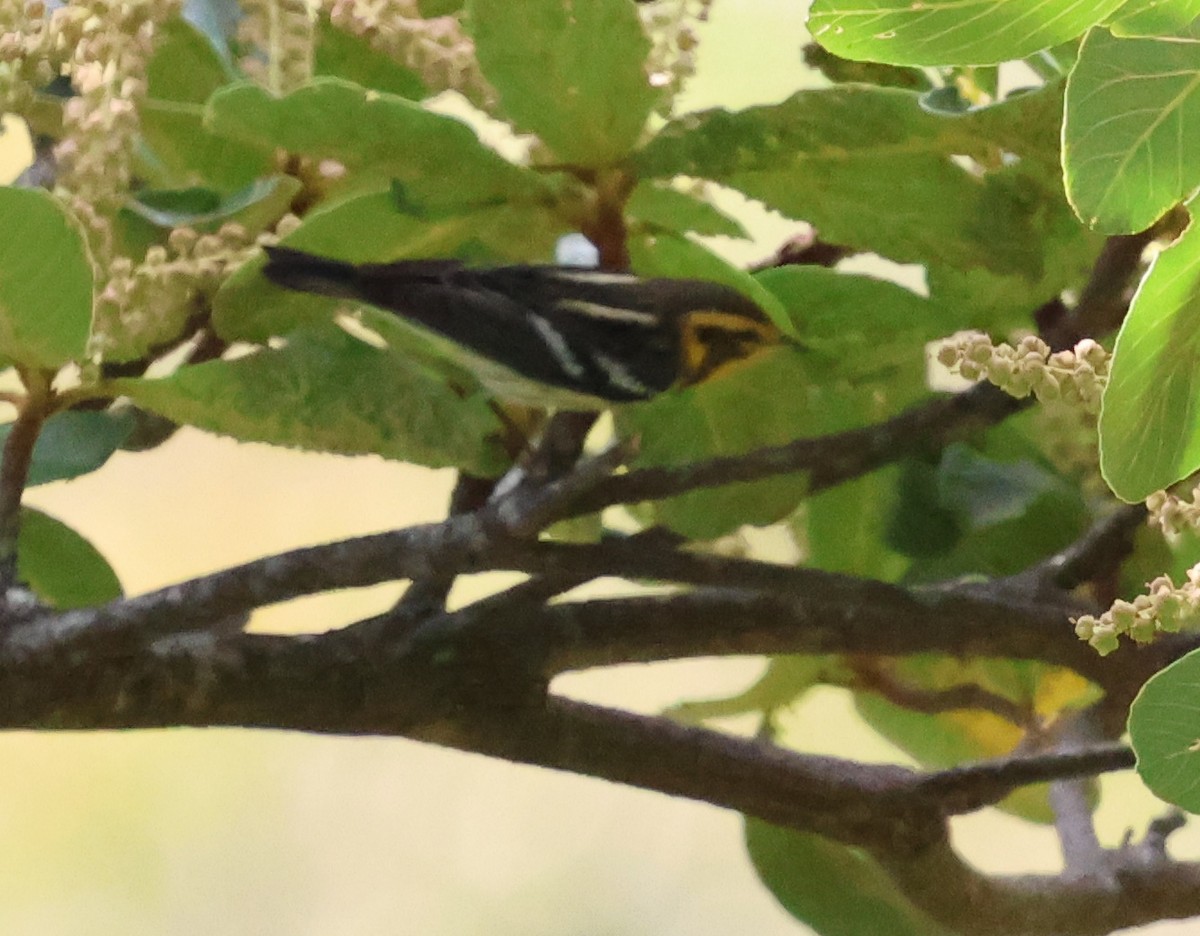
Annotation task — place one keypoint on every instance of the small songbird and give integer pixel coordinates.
(548, 335)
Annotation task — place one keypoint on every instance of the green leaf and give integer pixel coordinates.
(835, 889)
(784, 682)
(862, 326)
(950, 32)
(1163, 730)
(254, 207)
(45, 281)
(977, 513)
(1155, 17)
(343, 55)
(217, 19)
(74, 443)
(62, 568)
(846, 527)
(438, 160)
(574, 73)
(662, 206)
(1132, 129)
(670, 255)
(832, 157)
(326, 391)
(944, 739)
(186, 65)
(186, 153)
(185, 70)
(1149, 425)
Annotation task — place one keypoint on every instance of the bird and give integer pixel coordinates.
(553, 336)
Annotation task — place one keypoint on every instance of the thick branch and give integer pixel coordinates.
(974, 904)
(745, 607)
(326, 684)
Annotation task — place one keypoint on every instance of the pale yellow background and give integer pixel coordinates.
(242, 832)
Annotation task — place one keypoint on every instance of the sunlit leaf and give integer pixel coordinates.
(1149, 423)
(950, 32)
(1131, 137)
(1163, 727)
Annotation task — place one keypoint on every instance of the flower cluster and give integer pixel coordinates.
(672, 58)
(100, 123)
(283, 30)
(33, 49)
(147, 304)
(1173, 514)
(437, 48)
(1164, 608)
(103, 46)
(1076, 377)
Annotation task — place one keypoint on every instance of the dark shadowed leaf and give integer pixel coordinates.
(62, 568)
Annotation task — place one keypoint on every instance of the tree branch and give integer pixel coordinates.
(829, 460)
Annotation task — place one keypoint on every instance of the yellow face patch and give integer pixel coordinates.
(714, 342)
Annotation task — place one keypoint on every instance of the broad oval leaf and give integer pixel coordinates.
(62, 568)
(832, 157)
(185, 70)
(1164, 728)
(45, 281)
(74, 443)
(343, 55)
(950, 32)
(835, 889)
(574, 73)
(1150, 420)
(329, 392)
(1131, 137)
(439, 160)
(946, 738)
(1155, 17)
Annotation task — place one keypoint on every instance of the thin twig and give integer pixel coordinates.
(965, 789)
(829, 460)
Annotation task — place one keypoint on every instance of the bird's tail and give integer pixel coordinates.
(295, 269)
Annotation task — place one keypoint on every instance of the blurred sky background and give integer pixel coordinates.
(222, 832)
